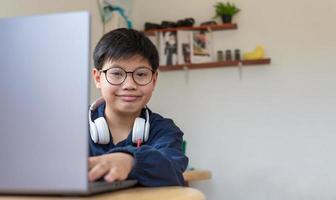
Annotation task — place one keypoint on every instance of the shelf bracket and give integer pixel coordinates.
(186, 74)
(240, 70)
(209, 29)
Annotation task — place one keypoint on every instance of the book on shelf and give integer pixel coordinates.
(183, 47)
(202, 47)
(168, 48)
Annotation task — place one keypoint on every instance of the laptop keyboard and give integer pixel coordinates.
(99, 183)
(102, 185)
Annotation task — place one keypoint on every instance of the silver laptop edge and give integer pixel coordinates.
(44, 84)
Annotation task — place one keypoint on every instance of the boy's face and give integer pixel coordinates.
(128, 97)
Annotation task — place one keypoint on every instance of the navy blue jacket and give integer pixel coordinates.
(159, 161)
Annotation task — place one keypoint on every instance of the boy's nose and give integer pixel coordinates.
(129, 82)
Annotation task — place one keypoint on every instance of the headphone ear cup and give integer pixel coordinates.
(102, 130)
(138, 130)
(147, 127)
(93, 132)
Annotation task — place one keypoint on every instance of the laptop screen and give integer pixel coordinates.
(44, 87)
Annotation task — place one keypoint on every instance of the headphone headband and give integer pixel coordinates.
(96, 104)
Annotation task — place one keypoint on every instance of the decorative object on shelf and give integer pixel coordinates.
(219, 27)
(151, 26)
(106, 9)
(237, 54)
(187, 22)
(184, 47)
(168, 24)
(202, 46)
(220, 55)
(225, 11)
(208, 23)
(228, 55)
(168, 48)
(256, 54)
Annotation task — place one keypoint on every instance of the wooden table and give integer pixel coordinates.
(196, 175)
(140, 193)
(136, 193)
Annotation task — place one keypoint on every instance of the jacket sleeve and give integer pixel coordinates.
(160, 161)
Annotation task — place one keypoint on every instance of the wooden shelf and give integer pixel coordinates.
(219, 27)
(265, 61)
(214, 64)
(198, 65)
(194, 28)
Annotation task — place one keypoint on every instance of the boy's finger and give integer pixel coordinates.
(93, 161)
(97, 171)
(112, 175)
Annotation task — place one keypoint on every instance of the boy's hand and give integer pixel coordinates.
(114, 166)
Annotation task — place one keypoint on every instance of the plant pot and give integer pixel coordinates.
(226, 19)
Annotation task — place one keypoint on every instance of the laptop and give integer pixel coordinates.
(44, 87)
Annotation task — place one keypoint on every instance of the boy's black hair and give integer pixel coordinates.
(122, 44)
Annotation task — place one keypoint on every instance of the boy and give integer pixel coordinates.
(125, 72)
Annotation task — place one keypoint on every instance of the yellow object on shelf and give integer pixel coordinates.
(257, 53)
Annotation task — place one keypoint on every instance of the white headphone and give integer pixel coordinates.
(99, 129)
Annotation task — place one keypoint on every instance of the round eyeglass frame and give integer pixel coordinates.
(128, 72)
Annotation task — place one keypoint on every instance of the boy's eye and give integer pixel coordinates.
(115, 73)
(141, 74)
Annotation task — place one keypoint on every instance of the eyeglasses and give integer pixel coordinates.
(117, 75)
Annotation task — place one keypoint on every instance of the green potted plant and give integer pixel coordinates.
(226, 11)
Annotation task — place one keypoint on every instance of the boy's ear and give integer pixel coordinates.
(96, 77)
(155, 76)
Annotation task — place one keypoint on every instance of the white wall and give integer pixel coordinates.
(270, 135)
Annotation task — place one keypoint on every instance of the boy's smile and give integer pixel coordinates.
(129, 97)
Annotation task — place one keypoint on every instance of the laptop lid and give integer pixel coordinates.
(44, 87)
